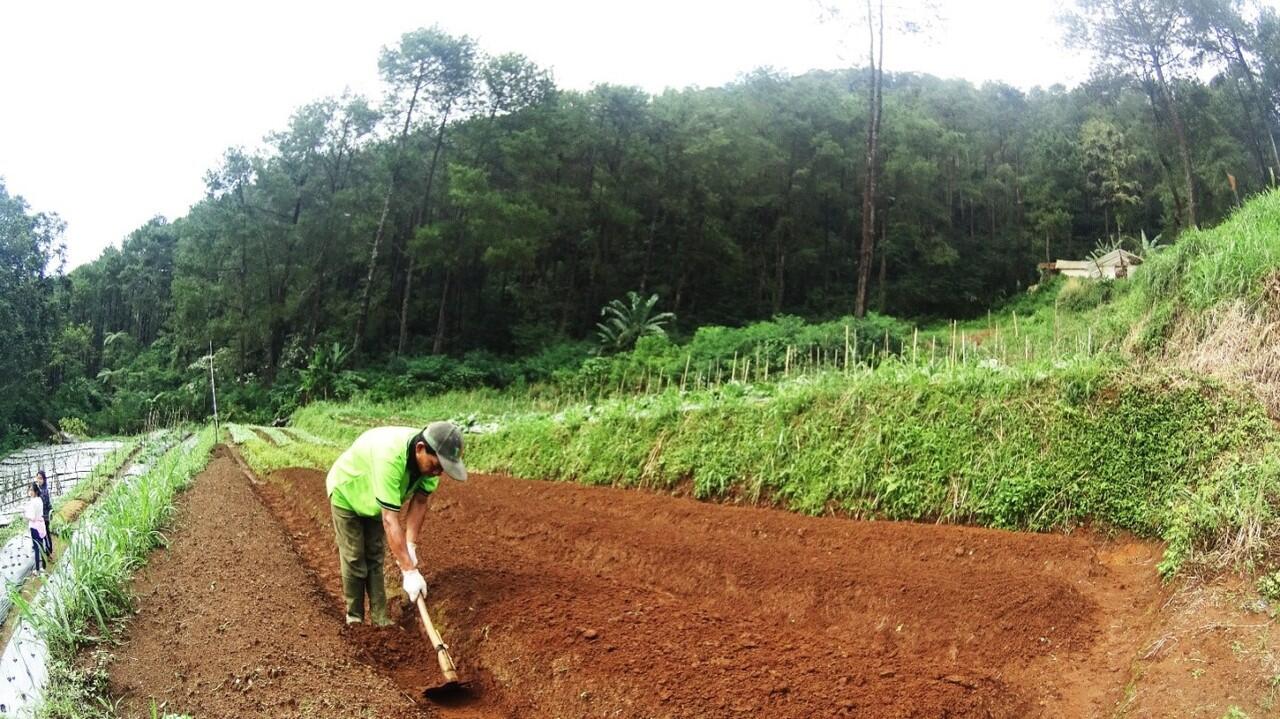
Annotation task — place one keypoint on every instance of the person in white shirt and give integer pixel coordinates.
(33, 511)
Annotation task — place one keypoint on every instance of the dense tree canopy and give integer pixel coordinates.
(479, 207)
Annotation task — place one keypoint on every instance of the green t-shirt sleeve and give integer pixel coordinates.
(387, 479)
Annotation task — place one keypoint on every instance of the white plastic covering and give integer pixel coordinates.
(64, 466)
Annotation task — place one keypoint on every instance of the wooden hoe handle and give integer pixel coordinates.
(442, 651)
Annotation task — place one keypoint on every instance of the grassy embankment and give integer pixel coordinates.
(1080, 404)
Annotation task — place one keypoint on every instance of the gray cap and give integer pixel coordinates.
(445, 439)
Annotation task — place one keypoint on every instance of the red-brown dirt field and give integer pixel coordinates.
(561, 600)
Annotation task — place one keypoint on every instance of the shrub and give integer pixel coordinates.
(73, 426)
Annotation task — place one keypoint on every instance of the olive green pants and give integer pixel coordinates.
(361, 545)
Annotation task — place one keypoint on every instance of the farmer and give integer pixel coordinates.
(378, 496)
(43, 483)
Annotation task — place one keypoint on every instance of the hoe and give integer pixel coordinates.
(453, 689)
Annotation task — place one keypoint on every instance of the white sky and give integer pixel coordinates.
(114, 110)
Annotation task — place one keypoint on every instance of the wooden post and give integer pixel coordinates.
(846, 349)
(915, 339)
(685, 375)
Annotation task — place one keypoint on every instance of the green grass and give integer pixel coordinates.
(88, 489)
(1039, 447)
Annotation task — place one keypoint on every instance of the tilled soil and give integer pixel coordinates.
(230, 623)
(561, 600)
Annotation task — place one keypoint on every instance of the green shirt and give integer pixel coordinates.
(373, 474)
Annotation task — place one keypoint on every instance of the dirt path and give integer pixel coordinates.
(571, 601)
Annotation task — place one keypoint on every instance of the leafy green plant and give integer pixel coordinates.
(626, 322)
(1085, 294)
(323, 371)
(73, 426)
(1269, 586)
(1148, 247)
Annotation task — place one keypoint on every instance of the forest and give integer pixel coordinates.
(467, 227)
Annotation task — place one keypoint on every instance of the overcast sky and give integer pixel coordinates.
(113, 111)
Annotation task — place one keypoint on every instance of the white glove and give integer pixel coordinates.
(413, 553)
(414, 584)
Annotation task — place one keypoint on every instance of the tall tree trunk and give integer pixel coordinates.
(1149, 85)
(873, 141)
(431, 169)
(1267, 110)
(404, 306)
(365, 292)
(438, 345)
(648, 251)
(362, 319)
(880, 288)
(1180, 132)
(782, 235)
